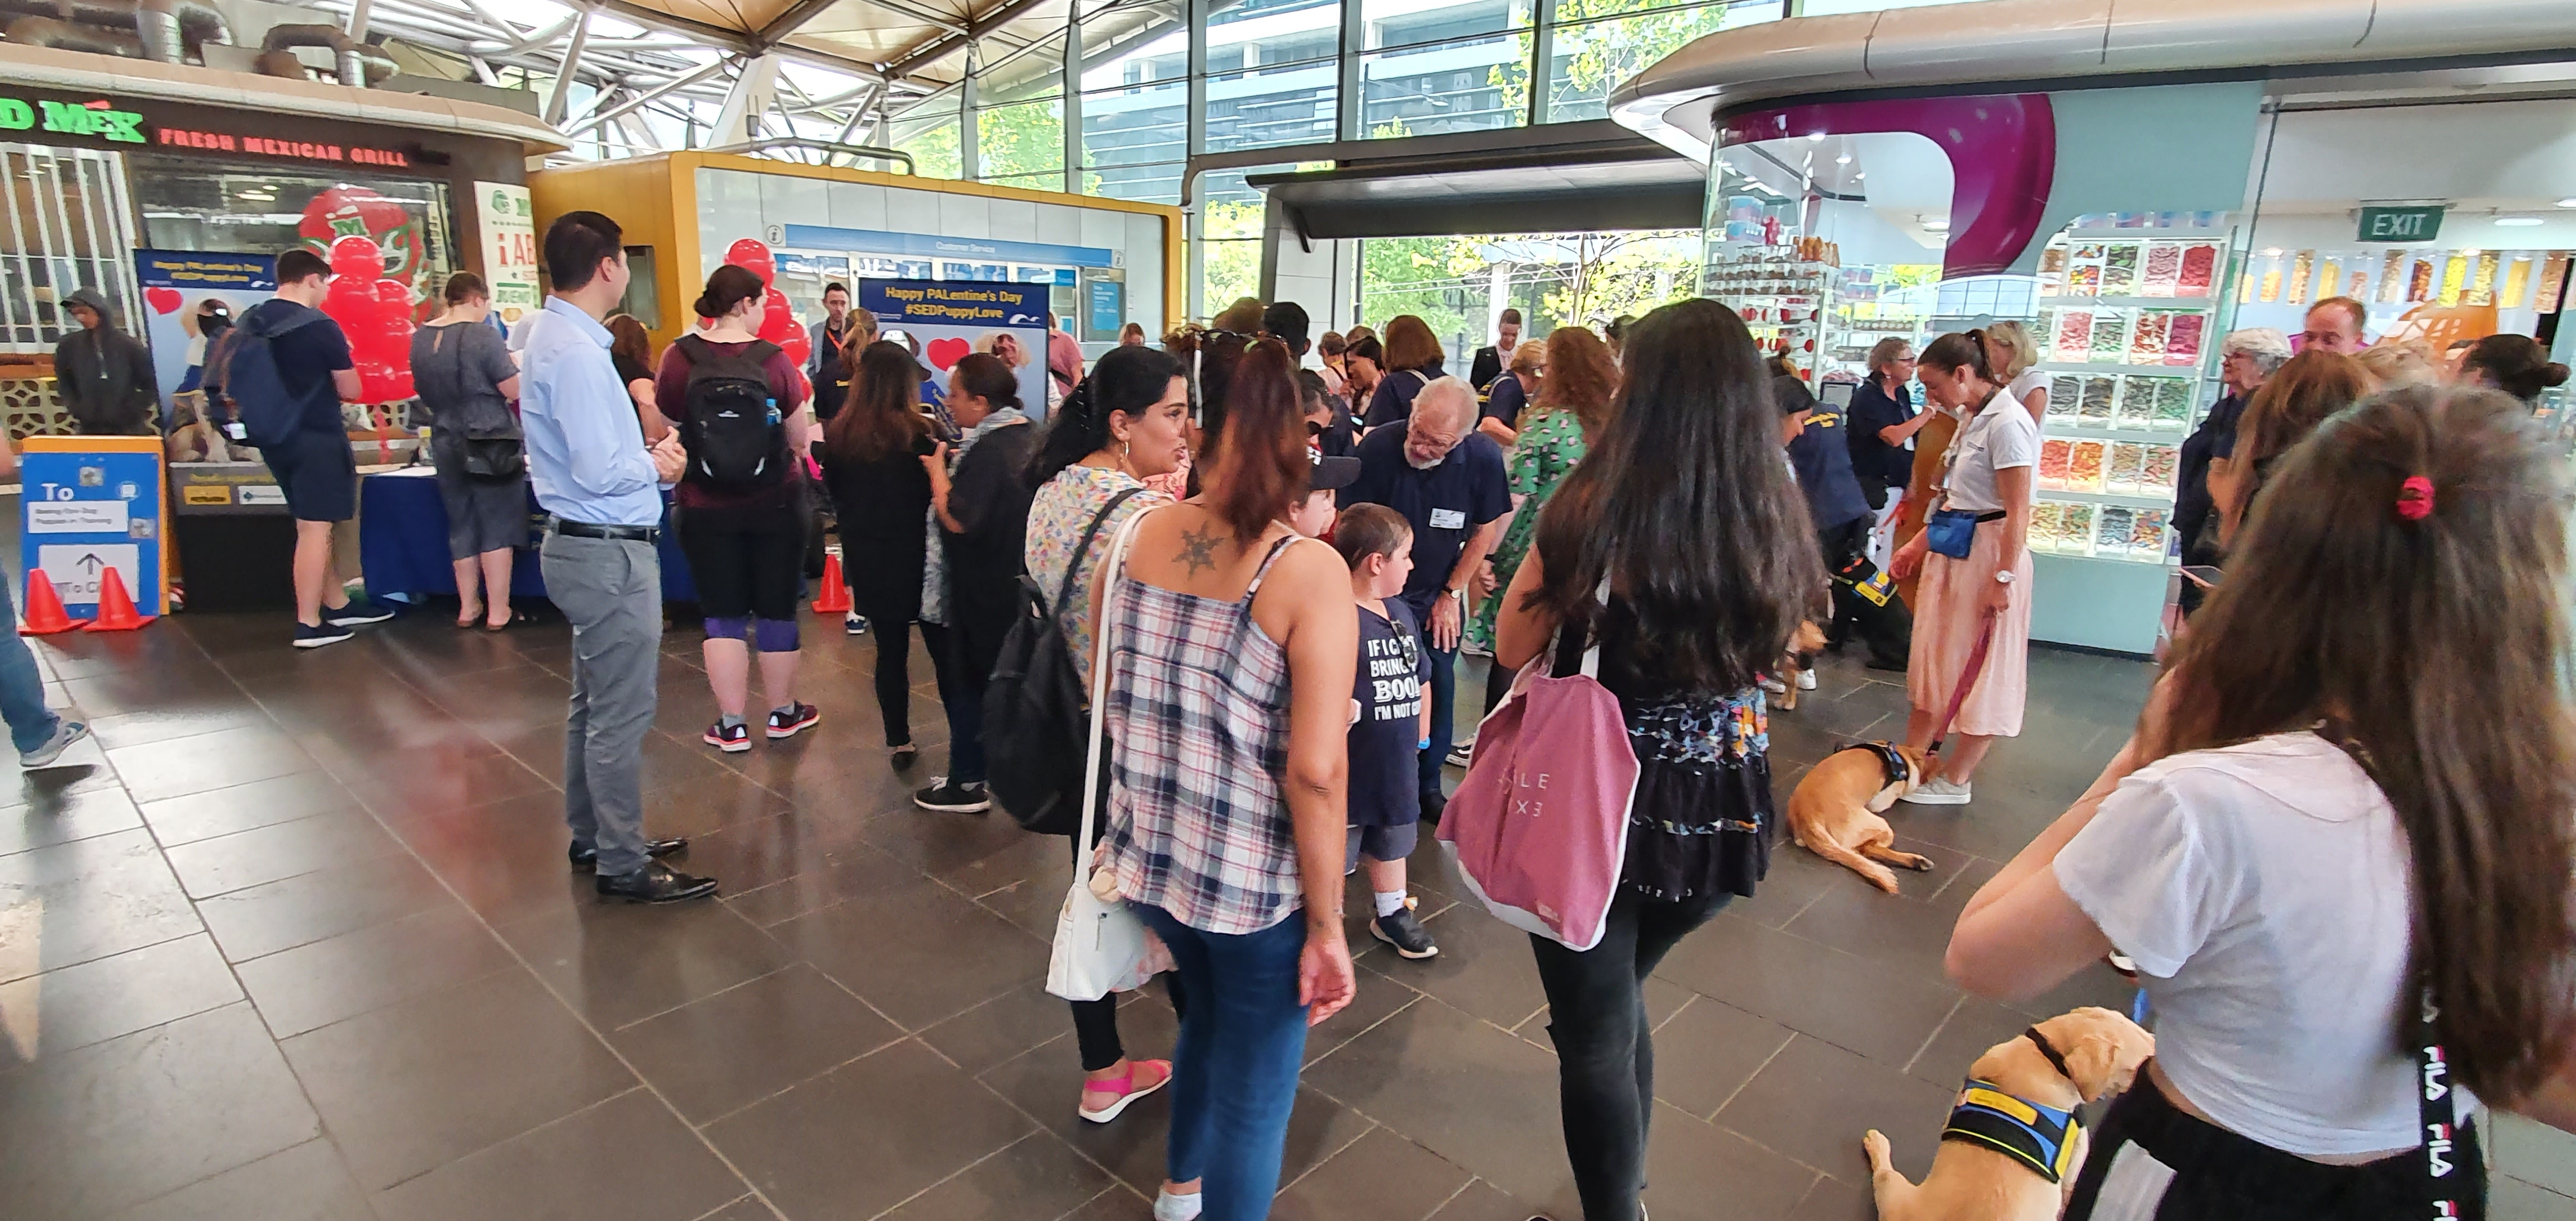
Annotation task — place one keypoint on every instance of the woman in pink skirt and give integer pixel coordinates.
(1974, 554)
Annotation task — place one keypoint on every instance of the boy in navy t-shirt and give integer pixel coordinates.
(1390, 720)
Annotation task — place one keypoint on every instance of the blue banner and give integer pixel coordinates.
(950, 318)
(180, 287)
(933, 246)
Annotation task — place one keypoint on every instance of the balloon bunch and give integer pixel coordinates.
(778, 322)
(375, 311)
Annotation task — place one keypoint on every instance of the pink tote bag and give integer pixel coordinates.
(1539, 828)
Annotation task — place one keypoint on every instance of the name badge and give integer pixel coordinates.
(1448, 519)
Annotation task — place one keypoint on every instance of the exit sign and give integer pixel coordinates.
(2401, 223)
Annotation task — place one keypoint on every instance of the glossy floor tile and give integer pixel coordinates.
(295, 940)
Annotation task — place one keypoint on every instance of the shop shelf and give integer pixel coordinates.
(2089, 432)
(2163, 303)
(2145, 234)
(2127, 500)
(2059, 366)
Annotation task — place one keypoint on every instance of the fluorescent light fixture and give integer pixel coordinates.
(1863, 174)
(1934, 224)
(2569, 202)
(1845, 159)
(2517, 222)
(1815, 136)
(2271, 252)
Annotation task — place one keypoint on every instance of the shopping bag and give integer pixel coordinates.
(1539, 827)
(1100, 946)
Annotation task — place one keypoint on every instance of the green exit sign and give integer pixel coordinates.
(2401, 223)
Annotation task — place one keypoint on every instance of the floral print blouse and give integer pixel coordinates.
(1550, 444)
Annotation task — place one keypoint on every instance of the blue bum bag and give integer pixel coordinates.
(1953, 532)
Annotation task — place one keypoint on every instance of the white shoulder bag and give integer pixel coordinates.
(1100, 946)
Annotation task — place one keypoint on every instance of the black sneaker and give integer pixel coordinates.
(951, 797)
(855, 625)
(655, 883)
(731, 739)
(587, 859)
(1404, 931)
(905, 756)
(308, 636)
(795, 720)
(359, 610)
(1433, 806)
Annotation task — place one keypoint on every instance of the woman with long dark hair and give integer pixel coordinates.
(2349, 843)
(872, 462)
(1685, 510)
(1123, 425)
(1412, 361)
(1231, 653)
(1979, 585)
(979, 503)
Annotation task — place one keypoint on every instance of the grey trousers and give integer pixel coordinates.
(611, 589)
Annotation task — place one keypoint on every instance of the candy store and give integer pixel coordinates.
(2130, 225)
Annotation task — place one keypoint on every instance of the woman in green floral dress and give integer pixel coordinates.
(1577, 391)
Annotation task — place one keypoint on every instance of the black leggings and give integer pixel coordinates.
(1605, 1054)
(890, 617)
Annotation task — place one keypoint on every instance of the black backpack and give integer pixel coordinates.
(1036, 718)
(735, 436)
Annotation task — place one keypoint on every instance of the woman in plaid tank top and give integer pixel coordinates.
(1231, 653)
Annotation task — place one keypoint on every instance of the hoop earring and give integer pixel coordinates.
(1124, 449)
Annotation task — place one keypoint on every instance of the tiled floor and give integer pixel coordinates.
(299, 942)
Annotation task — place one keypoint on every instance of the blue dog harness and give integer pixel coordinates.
(2042, 1138)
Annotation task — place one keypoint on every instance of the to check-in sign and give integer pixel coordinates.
(2401, 223)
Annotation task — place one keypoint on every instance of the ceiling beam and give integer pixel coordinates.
(941, 47)
(790, 21)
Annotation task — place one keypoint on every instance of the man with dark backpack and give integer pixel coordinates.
(287, 371)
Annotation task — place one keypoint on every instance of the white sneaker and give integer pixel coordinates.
(1938, 792)
(1168, 1207)
(1772, 685)
(1806, 680)
(1461, 754)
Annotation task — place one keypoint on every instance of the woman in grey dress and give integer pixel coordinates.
(463, 372)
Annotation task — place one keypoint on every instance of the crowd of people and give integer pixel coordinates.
(2337, 837)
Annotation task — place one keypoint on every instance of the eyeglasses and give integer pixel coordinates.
(1314, 429)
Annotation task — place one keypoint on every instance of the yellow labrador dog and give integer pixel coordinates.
(2012, 1147)
(1836, 810)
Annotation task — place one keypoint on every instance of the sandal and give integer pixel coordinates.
(516, 618)
(464, 621)
(1126, 1089)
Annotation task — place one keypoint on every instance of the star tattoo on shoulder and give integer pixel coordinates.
(1198, 550)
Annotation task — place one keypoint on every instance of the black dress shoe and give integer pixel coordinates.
(1433, 806)
(655, 883)
(587, 859)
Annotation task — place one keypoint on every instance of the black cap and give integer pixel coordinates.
(1331, 474)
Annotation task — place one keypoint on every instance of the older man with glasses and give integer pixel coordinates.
(2246, 358)
(1447, 479)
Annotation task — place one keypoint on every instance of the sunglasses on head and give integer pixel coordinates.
(1314, 428)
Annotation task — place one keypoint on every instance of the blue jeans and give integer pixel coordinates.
(1234, 1075)
(22, 690)
(1444, 713)
(961, 694)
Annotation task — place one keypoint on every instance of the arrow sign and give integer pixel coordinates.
(91, 562)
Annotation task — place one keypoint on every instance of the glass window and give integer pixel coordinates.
(1267, 106)
(187, 205)
(1593, 51)
(65, 227)
(929, 132)
(1230, 215)
(1143, 183)
(1016, 141)
(1136, 125)
(1471, 85)
(1403, 23)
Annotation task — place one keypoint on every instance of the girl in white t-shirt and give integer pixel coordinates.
(2354, 797)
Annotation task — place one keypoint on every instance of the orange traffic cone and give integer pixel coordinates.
(115, 606)
(834, 599)
(44, 607)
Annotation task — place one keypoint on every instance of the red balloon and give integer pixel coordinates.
(358, 256)
(752, 254)
(777, 318)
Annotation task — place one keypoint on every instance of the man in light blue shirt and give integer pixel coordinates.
(600, 489)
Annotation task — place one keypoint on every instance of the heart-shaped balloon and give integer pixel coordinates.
(945, 353)
(163, 300)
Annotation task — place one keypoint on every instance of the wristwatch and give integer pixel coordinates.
(2004, 577)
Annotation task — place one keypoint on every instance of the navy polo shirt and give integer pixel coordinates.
(1445, 504)
(1823, 462)
(1873, 409)
(1393, 401)
(1505, 401)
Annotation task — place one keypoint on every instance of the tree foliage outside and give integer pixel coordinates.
(1592, 59)
(1024, 139)
(1555, 279)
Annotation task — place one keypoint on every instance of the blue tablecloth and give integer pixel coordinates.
(402, 542)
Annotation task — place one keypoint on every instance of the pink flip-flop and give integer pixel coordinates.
(1126, 1089)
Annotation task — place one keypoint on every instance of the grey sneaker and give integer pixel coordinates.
(1938, 792)
(66, 732)
(1404, 931)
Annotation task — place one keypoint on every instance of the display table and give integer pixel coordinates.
(402, 542)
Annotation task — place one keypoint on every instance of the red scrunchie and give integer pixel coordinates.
(2415, 498)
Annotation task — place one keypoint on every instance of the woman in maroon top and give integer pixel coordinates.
(741, 521)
